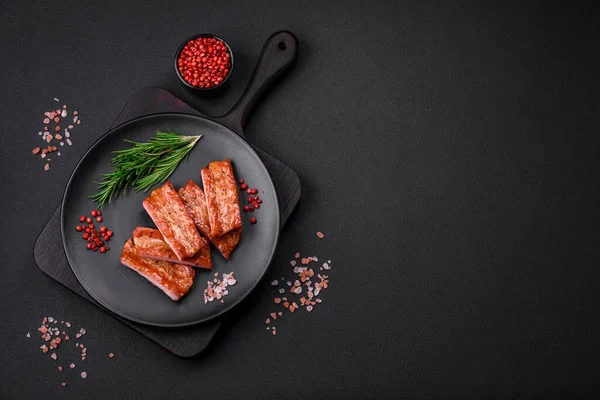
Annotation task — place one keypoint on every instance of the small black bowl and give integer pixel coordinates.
(211, 91)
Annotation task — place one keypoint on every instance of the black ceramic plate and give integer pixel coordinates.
(122, 290)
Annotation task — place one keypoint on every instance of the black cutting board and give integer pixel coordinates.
(184, 342)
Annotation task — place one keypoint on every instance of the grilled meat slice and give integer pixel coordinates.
(194, 200)
(175, 280)
(150, 243)
(166, 209)
(221, 198)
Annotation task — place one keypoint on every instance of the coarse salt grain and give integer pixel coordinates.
(84, 374)
(28, 335)
(275, 283)
(63, 113)
(320, 235)
(69, 142)
(305, 274)
(53, 356)
(216, 289)
(111, 355)
(72, 366)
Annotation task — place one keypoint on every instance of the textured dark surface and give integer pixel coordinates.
(450, 152)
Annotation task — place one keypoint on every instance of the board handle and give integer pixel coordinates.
(278, 54)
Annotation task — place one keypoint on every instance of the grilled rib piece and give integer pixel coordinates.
(221, 198)
(194, 200)
(149, 243)
(172, 219)
(195, 204)
(175, 280)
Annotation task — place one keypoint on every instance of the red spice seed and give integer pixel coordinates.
(249, 191)
(99, 219)
(79, 228)
(94, 213)
(82, 218)
(254, 191)
(252, 220)
(89, 220)
(241, 181)
(244, 186)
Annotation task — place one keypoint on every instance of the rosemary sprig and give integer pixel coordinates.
(144, 165)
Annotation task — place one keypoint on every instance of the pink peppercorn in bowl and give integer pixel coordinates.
(204, 63)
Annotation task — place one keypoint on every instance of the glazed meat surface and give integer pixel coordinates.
(221, 198)
(194, 200)
(150, 243)
(195, 204)
(175, 280)
(177, 227)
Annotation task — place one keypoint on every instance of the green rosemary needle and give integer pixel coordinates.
(144, 165)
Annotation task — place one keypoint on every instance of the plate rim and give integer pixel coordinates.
(231, 306)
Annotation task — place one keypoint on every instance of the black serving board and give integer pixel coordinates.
(189, 341)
